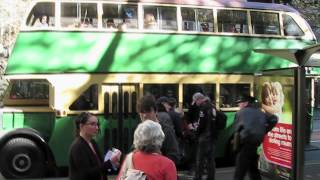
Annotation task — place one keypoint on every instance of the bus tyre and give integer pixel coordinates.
(22, 158)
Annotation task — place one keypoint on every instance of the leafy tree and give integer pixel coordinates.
(310, 10)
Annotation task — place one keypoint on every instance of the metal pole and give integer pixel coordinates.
(120, 118)
(299, 124)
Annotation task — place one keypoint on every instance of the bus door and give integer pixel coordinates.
(120, 115)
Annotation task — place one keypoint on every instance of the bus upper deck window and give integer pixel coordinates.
(160, 18)
(121, 16)
(129, 16)
(232, 21)
(265, 23)
(42, 15)
(197, 19)
(188, 19)
(79, 15)
(291, 28)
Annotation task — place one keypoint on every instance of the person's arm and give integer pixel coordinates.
(271, 121)
(177, 123)
(170, 147)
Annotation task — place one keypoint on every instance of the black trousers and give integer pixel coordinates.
(205, 151)
(247, 161)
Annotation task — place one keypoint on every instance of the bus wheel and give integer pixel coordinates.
(22, 158)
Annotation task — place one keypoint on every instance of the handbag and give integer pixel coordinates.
(129, 173)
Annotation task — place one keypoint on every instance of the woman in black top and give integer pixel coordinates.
(85, 161)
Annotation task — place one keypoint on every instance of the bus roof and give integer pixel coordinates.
(221, 3)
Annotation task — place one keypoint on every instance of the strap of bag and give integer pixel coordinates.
(128, 165)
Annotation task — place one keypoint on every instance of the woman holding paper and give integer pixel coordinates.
(85, 161)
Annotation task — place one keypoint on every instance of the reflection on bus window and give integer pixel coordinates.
(189, 89)
(290, 27)
(232, 21)
(197, 19)
(265, 23)
(87, 100)
(29, 89)
(164, 18)
(158, 90)
(120, 16)
(42, 15)
(78, 15)
(229, 93)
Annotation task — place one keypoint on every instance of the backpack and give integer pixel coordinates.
(129, 173)
(220, 118)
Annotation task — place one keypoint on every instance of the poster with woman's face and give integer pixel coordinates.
(275, 93)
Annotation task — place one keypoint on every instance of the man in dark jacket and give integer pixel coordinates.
(251, 123)
(207, 135)
(148, 111)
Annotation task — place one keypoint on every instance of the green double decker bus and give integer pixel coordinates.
(101, 56)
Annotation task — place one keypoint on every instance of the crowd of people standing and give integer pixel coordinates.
(167, 139)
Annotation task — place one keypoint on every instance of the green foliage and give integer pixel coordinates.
(310, 10)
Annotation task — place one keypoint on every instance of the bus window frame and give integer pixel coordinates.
(7, 100)
(298, 19)
(80, 25)
(247, 12)
(270, 12)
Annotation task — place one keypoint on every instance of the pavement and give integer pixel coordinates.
(311, 171)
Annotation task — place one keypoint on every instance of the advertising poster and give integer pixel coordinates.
(276, 95)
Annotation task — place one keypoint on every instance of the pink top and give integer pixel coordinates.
(155, 166)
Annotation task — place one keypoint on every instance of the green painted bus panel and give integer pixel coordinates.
(58, 52)
(42, 122)
(225, 135)
(7, 121)
(62, 136)
(18, 120)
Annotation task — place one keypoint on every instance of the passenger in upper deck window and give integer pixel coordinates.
(150, 21)
(42, 21)
(87, 23)
(205, 27)
(110, 24)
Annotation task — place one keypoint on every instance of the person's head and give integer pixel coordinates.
(87, 124)
(110, 23)
(277, 93)
(198, 98)
(149, 18)
(205, 27)
(266, 94)
(146, 107)
(44, 19)
(172, 102)
(163, 104)
(245, 100)
(148, 137)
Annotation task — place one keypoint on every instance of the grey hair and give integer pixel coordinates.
(148, 137)
(197, 96)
